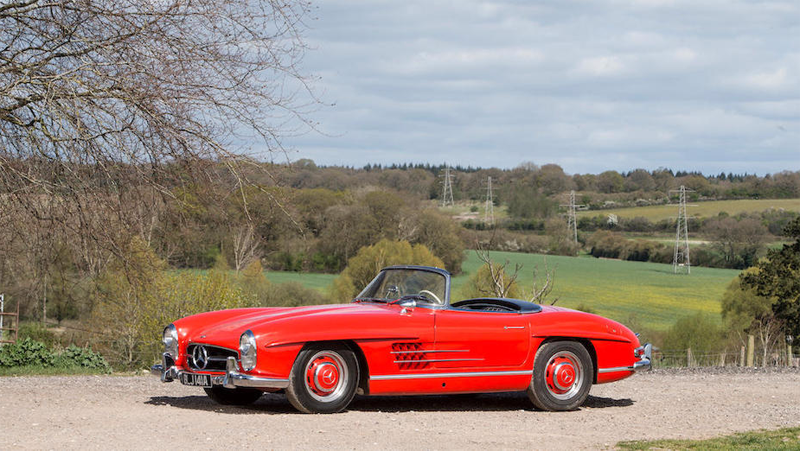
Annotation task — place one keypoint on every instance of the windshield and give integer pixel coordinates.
(392, 284)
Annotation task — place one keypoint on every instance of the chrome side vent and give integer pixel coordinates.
(409, 356)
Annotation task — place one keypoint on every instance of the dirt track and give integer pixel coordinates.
(140, 412)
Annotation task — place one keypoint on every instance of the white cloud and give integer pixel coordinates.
(691, 84)
(601, 66)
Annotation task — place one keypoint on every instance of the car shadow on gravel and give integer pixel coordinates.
(278, 404)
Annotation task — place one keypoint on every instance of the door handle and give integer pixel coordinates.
(513, 327)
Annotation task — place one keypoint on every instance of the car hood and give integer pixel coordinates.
(224, 328)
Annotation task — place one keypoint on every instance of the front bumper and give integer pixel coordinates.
(645, 355)
(232, 378)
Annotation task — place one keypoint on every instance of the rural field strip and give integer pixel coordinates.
(700, 209)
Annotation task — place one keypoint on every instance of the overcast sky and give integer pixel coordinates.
(708, 85)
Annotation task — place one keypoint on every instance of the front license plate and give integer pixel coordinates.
(197, 380)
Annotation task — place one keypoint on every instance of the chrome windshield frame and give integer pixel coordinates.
(444, 273)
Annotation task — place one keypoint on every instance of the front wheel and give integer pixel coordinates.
(562, 376)
(233, 396)
(324, 379)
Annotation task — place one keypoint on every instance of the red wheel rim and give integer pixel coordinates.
(564, 375)
(326, 376)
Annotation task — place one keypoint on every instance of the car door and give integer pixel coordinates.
(475, 339)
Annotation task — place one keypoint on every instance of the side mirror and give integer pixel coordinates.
(408, 303)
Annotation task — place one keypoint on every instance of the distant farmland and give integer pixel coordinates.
(700, 209)
(613, 288)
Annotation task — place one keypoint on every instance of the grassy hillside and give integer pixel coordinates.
(613, 288)
(700, 209)
(618, 289)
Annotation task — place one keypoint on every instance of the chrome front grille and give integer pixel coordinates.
(202, 357)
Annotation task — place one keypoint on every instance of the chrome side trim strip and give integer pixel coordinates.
(389, 377)
(616, 369)
(436, 360)
(426, 352)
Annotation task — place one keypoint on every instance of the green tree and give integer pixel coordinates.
(137, 298)
(527, 202)
(745, 312)
(440, 234)
(698, 332)
(778, 276)
(738, 241)
(363, 267)
(610, 182)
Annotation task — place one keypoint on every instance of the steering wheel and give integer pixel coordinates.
(430, 295)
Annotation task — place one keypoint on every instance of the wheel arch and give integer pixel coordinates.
(363, 367)
(586, 343)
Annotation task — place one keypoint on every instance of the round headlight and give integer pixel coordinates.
(170, 340)
(247, 350)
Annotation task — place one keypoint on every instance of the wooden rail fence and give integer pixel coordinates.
(5, 318)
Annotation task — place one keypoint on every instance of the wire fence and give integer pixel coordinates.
(674, 358)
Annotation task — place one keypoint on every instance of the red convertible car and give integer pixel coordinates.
(400, 336)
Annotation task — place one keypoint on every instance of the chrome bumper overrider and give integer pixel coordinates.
(645, 354)
(232, 378)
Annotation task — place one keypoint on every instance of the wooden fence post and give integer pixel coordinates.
(741, 356)
(722, 359)
(751, 344)
(689, 359)
(789, 360)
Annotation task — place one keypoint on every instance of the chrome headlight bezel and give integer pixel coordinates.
(248, 350)
(170, 340)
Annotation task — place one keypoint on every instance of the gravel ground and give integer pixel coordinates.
(113, 412)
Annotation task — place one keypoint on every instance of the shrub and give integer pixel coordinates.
(698, 332)
(137, 298)
(76, 357)
(37, 332)
(291, 294)
(26, 352)
(32, 353)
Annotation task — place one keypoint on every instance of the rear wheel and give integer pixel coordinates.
(233, 396)
(324, 378)
(562, 376)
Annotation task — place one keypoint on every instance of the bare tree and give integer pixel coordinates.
(105, 105)
(502, 279)
(245, 246)
(769, 330)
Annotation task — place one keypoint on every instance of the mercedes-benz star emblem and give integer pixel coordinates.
(200, 357)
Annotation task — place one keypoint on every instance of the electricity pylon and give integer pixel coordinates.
(572, 218)
(680, 258)
(488, 211)
(447, 190)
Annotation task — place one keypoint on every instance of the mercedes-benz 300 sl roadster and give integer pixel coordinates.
(400, 336)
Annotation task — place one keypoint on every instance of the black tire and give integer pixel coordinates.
(562, 376)
(324, 378)
(233, 396)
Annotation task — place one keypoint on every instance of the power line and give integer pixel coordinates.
(488, 211)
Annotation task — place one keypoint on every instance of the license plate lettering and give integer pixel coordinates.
(197, 380)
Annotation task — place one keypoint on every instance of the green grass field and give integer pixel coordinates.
(700, 209)
(618, 289)
(781, 439)
(613, 288)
